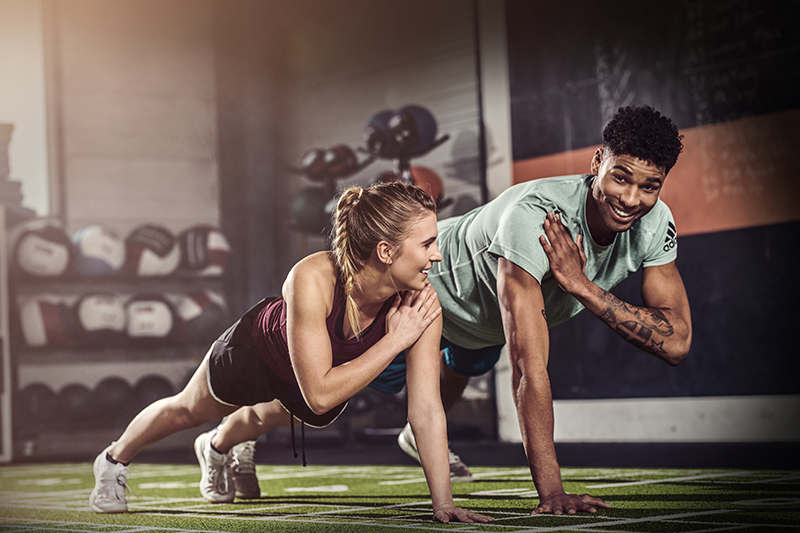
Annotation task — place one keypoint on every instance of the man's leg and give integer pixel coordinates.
(451, 384)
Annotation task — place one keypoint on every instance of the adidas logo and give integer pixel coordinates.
(672, 237)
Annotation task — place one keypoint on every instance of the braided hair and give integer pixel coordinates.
(365, 217)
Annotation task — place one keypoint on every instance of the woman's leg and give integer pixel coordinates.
(248, 423)
(193, 406)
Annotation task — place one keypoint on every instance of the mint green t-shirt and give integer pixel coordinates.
(509, 226)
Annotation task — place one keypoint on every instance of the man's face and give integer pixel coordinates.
(624, 190)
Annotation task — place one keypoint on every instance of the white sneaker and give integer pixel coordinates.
(215, 483)
(459, 472)
(110, 485)
(243, 466)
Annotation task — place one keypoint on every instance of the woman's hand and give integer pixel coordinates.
(411, 314)
(447, 513)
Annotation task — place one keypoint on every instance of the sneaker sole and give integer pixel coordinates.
(408, 448)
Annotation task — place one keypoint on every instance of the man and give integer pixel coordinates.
(511, 270)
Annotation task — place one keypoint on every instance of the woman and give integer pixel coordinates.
(343, 317)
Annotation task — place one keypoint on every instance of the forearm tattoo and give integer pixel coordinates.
(639, 331)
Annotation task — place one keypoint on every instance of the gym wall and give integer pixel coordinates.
(294, 76)
(131, 113)
(726, 73)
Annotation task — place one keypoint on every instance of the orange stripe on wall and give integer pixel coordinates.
(731, 175)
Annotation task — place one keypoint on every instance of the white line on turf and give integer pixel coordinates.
(668, 480)
(474, 475)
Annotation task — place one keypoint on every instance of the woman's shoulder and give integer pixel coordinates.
(315, 272)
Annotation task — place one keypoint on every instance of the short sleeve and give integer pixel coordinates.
(664, 248)
(517, 239)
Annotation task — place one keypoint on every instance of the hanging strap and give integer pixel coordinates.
(302, 435)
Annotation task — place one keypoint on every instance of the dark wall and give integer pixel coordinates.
(742, 287)
(572, 64)
(254, 205)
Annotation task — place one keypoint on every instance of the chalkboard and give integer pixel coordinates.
(573, 63)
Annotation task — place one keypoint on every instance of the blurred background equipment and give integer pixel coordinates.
(150, 318)
(151, 250)
(101, 319)
(99, 250)
(311, 207)
(42, 249)
(204, 314)
(204, 250)
(423, 177)
(46, 321)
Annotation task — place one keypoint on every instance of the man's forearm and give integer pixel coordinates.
(650, 329)
(534, 404)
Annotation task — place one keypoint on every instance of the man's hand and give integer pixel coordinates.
(569, 503)
(567, 259)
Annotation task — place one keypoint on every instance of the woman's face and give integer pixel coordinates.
(409, 269)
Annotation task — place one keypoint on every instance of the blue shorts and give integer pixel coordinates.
(470, 362)
(460, 360)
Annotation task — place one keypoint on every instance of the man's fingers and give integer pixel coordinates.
(592, 500)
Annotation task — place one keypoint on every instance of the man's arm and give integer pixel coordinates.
(527, 336)
(663, 327)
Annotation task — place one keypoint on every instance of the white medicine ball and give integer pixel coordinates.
(151, 250)
(149, 317)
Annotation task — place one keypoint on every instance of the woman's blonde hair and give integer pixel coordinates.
(365, 217)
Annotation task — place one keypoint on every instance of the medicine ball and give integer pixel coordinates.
(377, 137)
(340, 161)
(204, 314)
(150, 388)
(75, 403)
(308, 210)
(413, 129)
(112, 393)
(101, 318)
(43, 252)
(36, 405)
(150, 318)
(313, 164)
(151, 250)
(423, 177)
(46, 321)
(428, 180)
(99, 250)
(204, 250)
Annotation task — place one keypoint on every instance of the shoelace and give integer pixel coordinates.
(122, 480)
(220, 478)
(244, 457)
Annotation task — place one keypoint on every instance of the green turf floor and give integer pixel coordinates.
(364, 499)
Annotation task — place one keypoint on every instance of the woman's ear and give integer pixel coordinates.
(384, 252)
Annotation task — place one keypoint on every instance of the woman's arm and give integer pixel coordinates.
(427, 418)
(308, 292)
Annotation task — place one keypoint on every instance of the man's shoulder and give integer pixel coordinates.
(564, 194)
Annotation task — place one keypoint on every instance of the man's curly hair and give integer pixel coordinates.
(644, 133)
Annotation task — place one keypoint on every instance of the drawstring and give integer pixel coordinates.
(302, 435)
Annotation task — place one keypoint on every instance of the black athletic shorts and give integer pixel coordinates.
(238, 375)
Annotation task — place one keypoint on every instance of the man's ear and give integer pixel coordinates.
(597, 159)
(384, 252)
